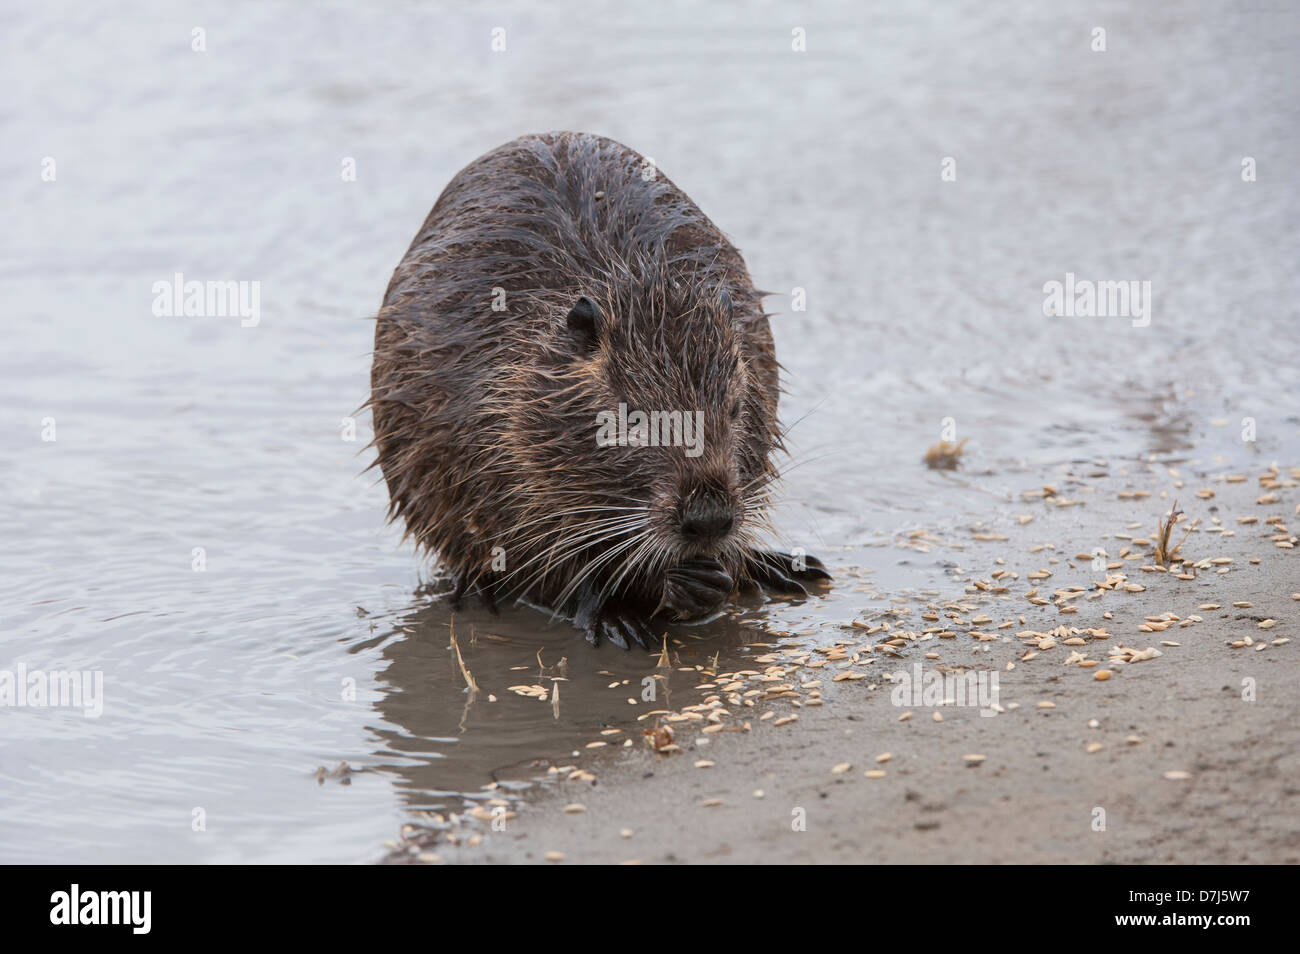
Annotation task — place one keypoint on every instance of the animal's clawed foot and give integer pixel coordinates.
(695, 589)
(620, 624)
(692, 590)
(785, 573)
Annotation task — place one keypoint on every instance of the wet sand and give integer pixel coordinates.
(1038, 794)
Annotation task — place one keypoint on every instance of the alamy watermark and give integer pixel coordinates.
(919, 688)
(127, 908)
(211, 299)
(656, 429)
(53, 689)
(1082, 298)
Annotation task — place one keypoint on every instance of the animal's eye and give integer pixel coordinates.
(584, 323)
(735, 409)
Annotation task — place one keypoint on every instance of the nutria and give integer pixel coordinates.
(560, 285)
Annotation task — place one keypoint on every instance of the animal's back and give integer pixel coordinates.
(540, 217)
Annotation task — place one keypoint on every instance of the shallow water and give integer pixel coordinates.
(304, 640)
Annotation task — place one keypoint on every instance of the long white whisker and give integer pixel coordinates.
(583, 536)
(597, 562)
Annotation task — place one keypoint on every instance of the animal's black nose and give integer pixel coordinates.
(708, 517)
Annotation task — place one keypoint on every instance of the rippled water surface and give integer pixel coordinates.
(305, 640)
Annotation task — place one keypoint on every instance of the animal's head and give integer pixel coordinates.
(657, 423)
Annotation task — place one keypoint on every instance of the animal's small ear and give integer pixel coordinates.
(584, 322)
(725, 297)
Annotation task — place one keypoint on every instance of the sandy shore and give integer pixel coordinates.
(1190, 756)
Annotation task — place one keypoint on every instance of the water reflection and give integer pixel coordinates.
(448, 740)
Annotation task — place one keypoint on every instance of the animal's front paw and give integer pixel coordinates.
(695, 589)
(620, 624)
(785, 573)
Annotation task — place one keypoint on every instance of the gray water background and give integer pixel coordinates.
(924, 301)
